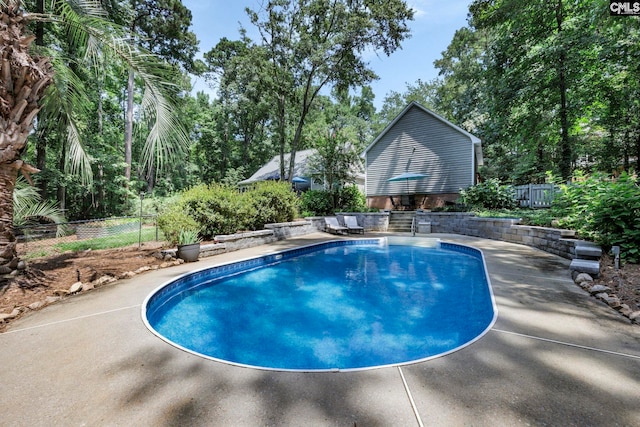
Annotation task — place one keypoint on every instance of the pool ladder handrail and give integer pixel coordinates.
(413, 226)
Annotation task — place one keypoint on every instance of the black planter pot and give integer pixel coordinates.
(190, 252)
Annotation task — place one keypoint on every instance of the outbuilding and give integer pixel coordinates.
(439, 158)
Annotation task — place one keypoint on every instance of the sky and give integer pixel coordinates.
(433, 27)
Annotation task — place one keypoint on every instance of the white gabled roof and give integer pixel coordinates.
(271, 170)
(474, 139)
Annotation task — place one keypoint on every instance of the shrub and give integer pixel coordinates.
(603, 209)
(211, 209)
(352, 200)
(269, 202)
(220, 209)
(317, 202)
(321, 203)
(489, 195)
(173, 220)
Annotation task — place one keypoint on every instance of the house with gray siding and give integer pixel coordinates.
(420, 141)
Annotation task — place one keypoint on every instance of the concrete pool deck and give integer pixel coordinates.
(555, 356)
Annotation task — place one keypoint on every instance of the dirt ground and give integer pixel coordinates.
(625, 282)
(47, 279)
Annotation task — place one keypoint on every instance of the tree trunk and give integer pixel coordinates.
(566, 151)
(151, 179)
(282, 132)
(638, 150)
(128, 127)
(41, 140)
(8, 254)
(41, 162)
(23, 78)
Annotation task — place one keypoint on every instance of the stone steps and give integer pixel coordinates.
(588, 250)
(587, 259)
(400, 222)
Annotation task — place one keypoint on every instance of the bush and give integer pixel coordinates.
(220, 209)
(173, 220)
(269, 202)
(603, 209)
(489, 195)
(321, 203)
(352, 200)
(317, 203)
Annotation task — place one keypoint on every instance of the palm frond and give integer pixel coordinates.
(64, 99)
(79, 163)
(95, 37)
(167, 138)
(28, 207)
(24, 195)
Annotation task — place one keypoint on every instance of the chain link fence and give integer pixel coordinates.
(41, 240)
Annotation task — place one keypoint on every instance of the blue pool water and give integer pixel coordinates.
(342, 305)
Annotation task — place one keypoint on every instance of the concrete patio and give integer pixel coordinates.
(555, 356)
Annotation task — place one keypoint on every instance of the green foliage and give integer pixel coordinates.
(352, 200)
(317, 203)
(311, 45)
(28, 207)
(489, 194)
(173, 220)
(218, 209)
(188, 237)
(606, 210)
(269, 202)
(321, 203)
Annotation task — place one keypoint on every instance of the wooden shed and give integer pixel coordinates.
(420, 141)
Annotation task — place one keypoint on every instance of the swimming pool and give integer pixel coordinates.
(340, 305)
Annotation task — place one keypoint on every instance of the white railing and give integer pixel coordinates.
(535, 195)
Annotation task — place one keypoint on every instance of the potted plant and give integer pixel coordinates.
(181, 230)
(188, 245)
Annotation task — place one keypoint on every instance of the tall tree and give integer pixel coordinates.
(533, 65)
(312, 44)
(162, 28)
(242, 108)
(26, 75)
(24, 79)
(425, 93)
(339, 132)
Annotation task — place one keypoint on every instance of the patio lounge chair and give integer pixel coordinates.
(352, 225)
(331, 225)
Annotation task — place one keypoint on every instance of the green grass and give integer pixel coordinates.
(110, 242)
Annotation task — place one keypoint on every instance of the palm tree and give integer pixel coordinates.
(25, 75)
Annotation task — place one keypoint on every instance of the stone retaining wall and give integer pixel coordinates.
(553, 240)
(371, 221)
(284, 230)
(249, 239)
(556, 241)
